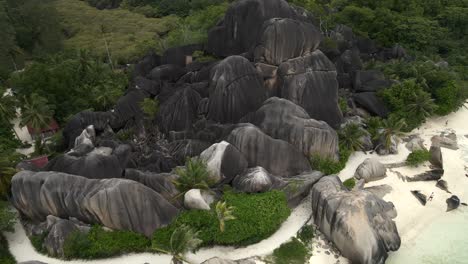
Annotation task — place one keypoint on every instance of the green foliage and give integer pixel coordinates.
(36, 112)
(7, 218)
(150, 107)
(392, 126)
(183, 240)
(328, 165)
(292, 252)
(224, 213)
(306, 234)
(125, 134)
(194, 175)
(343, 105)
(37, 242)
(418, 157)
(374, 124)
(8, 161)
(350, 183)
(99, 243)
(180, 8)
(71, 82)
(257, 217)
(350, 137)
(409, 101)
(5, 255)
(200, 56)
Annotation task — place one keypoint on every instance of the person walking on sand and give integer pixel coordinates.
(431, 197)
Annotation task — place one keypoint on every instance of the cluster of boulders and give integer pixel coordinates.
(254, 117)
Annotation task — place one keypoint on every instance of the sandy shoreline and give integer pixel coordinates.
(411, 220)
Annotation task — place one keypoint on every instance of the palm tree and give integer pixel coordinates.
(194, 175)
(7, 110)
(36, 112)
(106, 93)
(392, 126)
(350, 137)
(422, 105)
(224, 213)
(183, 240)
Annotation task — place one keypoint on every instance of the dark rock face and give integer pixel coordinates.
(145, 65)
(236, 89)
(311, 82)
(58, 230)
(115, 203)
(436, 157)
(224, 161)
(182, 149)
(256, 180)
(432, 175)
(74, 127)
(276, 156)
(370, 102)
(100, 163)
(282, 119)
(358, 222)
(179, 112)
(167, 72)
(147, 85)
(178, 55)
(369, 81)
(298, 187)
(453, 203)
(422, 198)
(443, 185)
(242, 25)
(283, 38)
(127, 109)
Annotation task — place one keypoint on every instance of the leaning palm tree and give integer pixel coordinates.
(36, 112)
(422, 105)
(224, 213)
(351, 137)
(194, 175)
(183, 240)
(392, 126)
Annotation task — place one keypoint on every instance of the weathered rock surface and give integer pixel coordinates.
(415, 143)
(310, 82)
(74, 127)
(217, 260)
(224, 162)
(380, 190)
(422, 198)
(436, 157)
(371, 170)
(159, 182)
(382, 149)
(58, 230)
(282, 119)
(358, 222)
(369, 81)
(256, 180)
(443, 185)
(283, 38)
(370, 102)
(182, 149)
(115, 203)
(236, 89)
(298, 187)
(167, 72)
(198, 199)
(453, 203)
(444, 142)
(432, 175)
(127, 110)
(276, 156)
(87, 137)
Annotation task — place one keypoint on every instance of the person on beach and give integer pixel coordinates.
(431, 197)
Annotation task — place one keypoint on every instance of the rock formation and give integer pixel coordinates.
(453, 203)
(256, 180)
(371, 170)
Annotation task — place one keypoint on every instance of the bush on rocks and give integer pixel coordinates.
(350, 183)
(329, 166)
(257, 217)
(418, 157)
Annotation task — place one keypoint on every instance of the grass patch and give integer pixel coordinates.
(5, 255)
(306, 234)
(418, 157)
(350, 183)
(292, 252)
(257, 217)
(99, 243)
(330, 166)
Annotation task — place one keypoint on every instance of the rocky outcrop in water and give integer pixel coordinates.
(115, 203)
(358, 222)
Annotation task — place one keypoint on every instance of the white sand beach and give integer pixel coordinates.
(412, 219)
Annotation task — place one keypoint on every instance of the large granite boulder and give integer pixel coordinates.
(88, 137)
(99, 120)
(298, 187)
(256, 180)
(452, 203)
(146, 64)
(358, 222)
(310, 82)
(370, 102)
(277, 156)
(432, 175)
(183, 149)
(283, 39)
(179, 112)
(422, 198)
(224, 162)
(436, 157)
(236, 89)
(282, 119)
(127, 110)
(239, 30)
(197, 199)
(371, 170)
(217, 260)
(445, 142)
(58, 230)
(179, 55)
(115, 203)
(167, 72)
(369, 81)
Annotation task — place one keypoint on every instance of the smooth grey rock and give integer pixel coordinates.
(88, 137)
(380, 190)
(383, 150)
(370, 102)
(358, 222)
(115, 203)
(443, 185)
(282, 119)
(436, 157)
(444, 142)
(224, 162)
(217, 260)
(256, 180)
(415, 143)
(310, 82)
(276, 156)
(58, 232)
(32, 262)
(166, 72)
(198, 199)
(422, 198)
(371, 170)
(452, 203)
(75, 126)
(183, 149)
(298, 187)
(369, 81)
(283, 38)
(236, 88)
(432, 175)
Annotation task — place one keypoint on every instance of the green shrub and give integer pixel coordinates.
(38, 242)
(7, 218)
(328, 165)
(99, 243)
(292, 252)
(150, 107)
(257, 217)
(418, 157)
(5, 255)
(343, 105)
(306, 234)
(350, 183)
(194, 175)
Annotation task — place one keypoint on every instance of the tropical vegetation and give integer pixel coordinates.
(418, 157)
